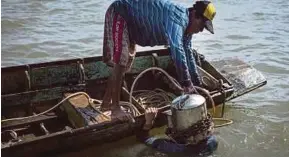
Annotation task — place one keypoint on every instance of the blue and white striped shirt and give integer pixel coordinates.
(161, 22)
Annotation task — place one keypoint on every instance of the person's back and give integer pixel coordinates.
(152, 22)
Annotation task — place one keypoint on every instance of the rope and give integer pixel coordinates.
(226, 122)
(177, 85)
(14, 134)
(55, 106)
(133, 109)
(150, 69)
(155, 98)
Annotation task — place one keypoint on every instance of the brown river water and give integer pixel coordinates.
(255, 31)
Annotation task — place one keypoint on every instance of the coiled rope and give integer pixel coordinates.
(177, 85)
(153, 98)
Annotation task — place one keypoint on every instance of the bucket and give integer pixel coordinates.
(187, 110)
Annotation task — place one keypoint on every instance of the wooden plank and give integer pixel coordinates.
(164, 61)
(14, 80)
(99, 70)
(160, 52)
(209, 68)
(54, 75)
(80, 113)
(95, 70)
(77, 138)
(38, 95)
(141, 63)
(15, 99)
(24, 122)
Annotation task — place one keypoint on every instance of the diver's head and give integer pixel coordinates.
(193, 134)
(188, 121)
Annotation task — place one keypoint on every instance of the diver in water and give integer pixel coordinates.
(196, 139)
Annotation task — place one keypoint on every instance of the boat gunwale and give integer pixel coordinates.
(159, 52)
(79, 131)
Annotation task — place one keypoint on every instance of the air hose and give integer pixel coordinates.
(177, 85)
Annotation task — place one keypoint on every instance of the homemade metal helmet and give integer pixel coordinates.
(188, 120)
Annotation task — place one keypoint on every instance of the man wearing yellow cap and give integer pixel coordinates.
(151, 23)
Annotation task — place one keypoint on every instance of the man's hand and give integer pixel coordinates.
(118, 113)
(189, 90)
(150, 115)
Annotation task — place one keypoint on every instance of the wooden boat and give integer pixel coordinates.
(33, 88)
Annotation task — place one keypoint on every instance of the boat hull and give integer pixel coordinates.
(30, 89)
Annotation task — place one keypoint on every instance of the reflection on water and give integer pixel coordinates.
(255, 31)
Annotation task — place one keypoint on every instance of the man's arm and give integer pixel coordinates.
(161, 144)
(143, 134)
(168, 146)
(179, 57)
(191, 60)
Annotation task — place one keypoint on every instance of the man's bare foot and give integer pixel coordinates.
(118, 113)
(105, 106)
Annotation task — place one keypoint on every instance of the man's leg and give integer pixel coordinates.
(118, 72)
(107, 56)
(117, 79)
(106, 102)
(111, 99)
(117, 53)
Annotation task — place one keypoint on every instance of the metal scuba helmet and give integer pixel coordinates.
(186, 110)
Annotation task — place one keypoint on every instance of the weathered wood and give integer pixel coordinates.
(14, 79)
(45, 83)
(80, 113)
(77, 138)
(35, 96)
(54, 75)
(24, 122)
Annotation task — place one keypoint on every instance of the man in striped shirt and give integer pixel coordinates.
(151, 23)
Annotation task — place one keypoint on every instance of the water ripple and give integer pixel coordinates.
(238, 37)
(254, 31)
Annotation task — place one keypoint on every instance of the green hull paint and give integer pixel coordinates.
(48, 82)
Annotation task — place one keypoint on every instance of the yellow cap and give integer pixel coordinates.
(210, 12)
